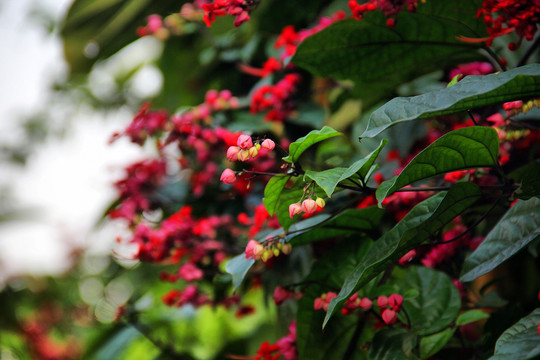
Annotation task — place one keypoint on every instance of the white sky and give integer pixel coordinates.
(66, 184)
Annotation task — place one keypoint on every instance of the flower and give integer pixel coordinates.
(309, 206)
(254, 250)
(245, 142)
(294, 209)
(389, 316)
(268, 144)
(228, 176)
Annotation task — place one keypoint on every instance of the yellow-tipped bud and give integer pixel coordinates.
(286, 248)
(320, 202)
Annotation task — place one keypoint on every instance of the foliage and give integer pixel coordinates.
(394, 248)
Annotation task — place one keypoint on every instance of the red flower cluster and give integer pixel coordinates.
(503, 16)
(390, 8)
(240, 9)
(275, 97)
(285, 347)
(145, 123)
(136, 189)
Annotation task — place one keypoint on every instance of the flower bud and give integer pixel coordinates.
(253, 152)
(309, 206)
(245, 142)
(286, 248)
(294, 209)
(389, 316)
(382, 301)
(275, 251)
(228, 176)
(258, 146)
(243, 155)
(395, 301)
(254, 250)
(320, 202)
(267, 255)
(366, 303)
(232, 153)
(268, 144)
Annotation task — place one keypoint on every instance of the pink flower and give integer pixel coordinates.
(407, 258)
(245, 142)
(268, 144)
(254, 250)
(281, 295)
(232, 153)
(366, 303)
(309, 206)
(294, 209)
(228, 176)
(395, 301)
(190, 272)
(389, 316)
(382, 301)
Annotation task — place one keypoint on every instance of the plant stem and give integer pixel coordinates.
(529, 52)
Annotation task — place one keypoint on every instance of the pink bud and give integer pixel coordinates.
(243, 155)
(281, 294)
(254, 250)
(382, 301)
(268, 144)
(228, 176)
(190, 272)
(232, 153)
(309, 206)
(366, 303)
(225, 94)
(245, 142)
(389, 316)
(294, 209)
(407, 257)
(395, 301)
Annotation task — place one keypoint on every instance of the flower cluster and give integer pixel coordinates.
(257, 251)
(473, 68)
(137, 188)
(282, 294)
(502, 17)
(390, 8)
(308, 206)
(145, 123)
(275, 97)
(240, 9)
(286, 347)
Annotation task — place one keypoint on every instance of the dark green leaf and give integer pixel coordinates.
(418, 225)
(238, 267)
(471, 316)
(392, 344)
(350, 222)
(517, 228)
(430, 345)
(471, 92)
(329, 179)
(438, 303)
(299, 146)
(528, 177)
(521, 341)
(333, 342)
(466, 148)
(272, 192)
(370, 52)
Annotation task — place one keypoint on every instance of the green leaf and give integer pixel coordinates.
(369, 52)
(521, 340)
(466, 148)
(430, 345)
(471, 92)
(392, 344)
(438, 303)
(312, 342)
(349, 222)
(238, 267)
(329, 179)
(419, 224)
(118, 344)
(299, 146)
(471, 316)
(528, 177)
(517, 228)
(272, 192)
